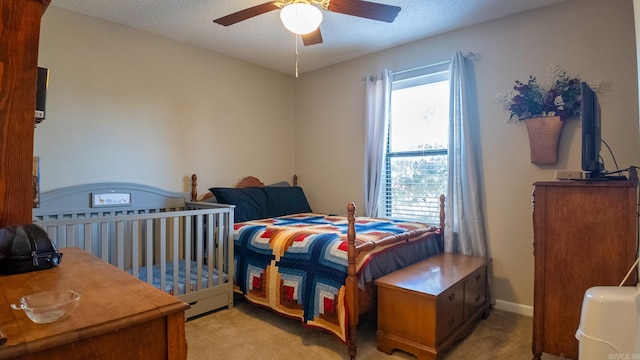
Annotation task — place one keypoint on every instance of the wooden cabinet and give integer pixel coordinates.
(584, 236)
(424, 308)
(119, 317)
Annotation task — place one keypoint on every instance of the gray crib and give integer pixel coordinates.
(158, 236)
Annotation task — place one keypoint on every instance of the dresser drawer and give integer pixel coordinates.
(449, 321)
(450, 298)
(475, 291)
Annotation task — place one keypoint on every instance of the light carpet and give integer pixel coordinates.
(251, 332)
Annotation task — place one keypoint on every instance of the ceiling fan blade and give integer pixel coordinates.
(247, 13)
(365, 9)
(312, 38)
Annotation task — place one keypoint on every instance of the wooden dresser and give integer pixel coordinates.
(424, 308)
(584, 235)
(119, 317)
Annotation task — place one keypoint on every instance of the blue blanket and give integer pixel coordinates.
(182, 272)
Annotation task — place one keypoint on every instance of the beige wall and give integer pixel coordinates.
(592, 39)
(126, 105)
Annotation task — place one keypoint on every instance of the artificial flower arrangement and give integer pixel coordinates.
(531, 99)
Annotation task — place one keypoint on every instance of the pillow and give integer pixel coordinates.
(286, 200)
(209, 199)
(251, 202)
(280, 184)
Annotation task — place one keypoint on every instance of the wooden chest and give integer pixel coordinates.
(424, 308)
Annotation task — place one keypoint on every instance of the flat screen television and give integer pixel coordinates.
(590, 113)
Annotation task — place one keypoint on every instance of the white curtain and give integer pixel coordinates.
(376, 118)
(464, 225)
(464, 230)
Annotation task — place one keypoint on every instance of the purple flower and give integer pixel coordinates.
(532, 100)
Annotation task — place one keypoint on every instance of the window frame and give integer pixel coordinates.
(402, 80)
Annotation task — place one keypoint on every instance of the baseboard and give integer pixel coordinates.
(520, 309)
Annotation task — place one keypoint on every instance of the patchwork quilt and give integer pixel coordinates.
(297, 264)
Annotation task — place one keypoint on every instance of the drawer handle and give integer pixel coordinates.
(452, 321)
(478, 297)
(478, 277)
(452, 296)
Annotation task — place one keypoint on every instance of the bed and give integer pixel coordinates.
(158, 236)
(318, 268)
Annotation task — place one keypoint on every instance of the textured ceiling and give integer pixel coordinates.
(263, 40)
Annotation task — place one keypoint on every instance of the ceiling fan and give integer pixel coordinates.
(293, 13)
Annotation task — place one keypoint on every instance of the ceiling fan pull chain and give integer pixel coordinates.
(296, 36)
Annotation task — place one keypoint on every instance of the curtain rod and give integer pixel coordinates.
(419, 68)
(470, 55)
(393, 73)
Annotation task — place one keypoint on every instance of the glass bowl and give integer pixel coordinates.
(49, 306)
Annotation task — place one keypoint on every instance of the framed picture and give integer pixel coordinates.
(110, 199)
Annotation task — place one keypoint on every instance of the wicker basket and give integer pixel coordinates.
(544, 136)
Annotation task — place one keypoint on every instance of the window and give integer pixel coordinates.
(416, 154)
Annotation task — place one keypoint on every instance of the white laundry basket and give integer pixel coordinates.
(609, 324)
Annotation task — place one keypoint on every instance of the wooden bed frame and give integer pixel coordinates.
(358, 302)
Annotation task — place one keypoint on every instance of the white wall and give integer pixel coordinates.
(126, 105)
(592, 39)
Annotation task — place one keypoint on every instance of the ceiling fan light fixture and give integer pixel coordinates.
(300, 18)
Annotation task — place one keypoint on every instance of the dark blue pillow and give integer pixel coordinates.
(251, 203)
(286, 200)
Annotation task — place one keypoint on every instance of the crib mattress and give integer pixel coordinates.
(181, 286)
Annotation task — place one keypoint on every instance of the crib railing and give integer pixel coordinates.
(199, 237)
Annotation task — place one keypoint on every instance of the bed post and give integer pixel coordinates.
(194, 187)
(295, 180)
(351, 284)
